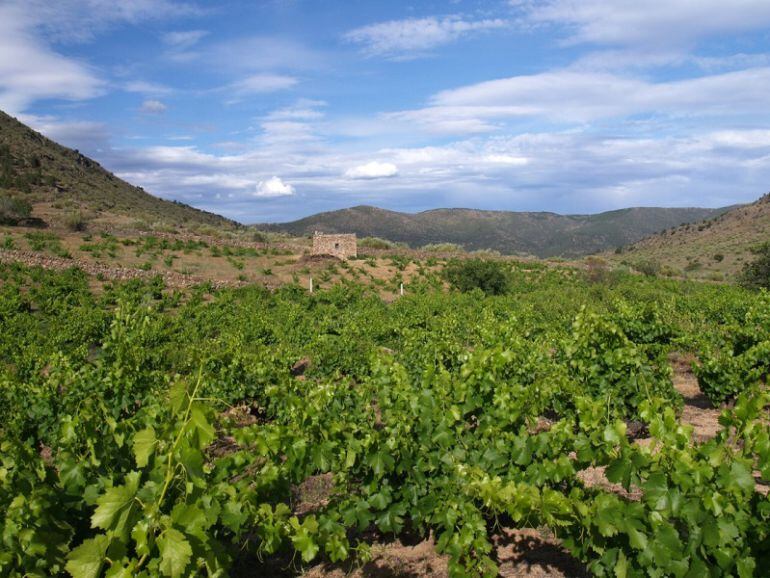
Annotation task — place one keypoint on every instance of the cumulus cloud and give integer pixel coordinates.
(570, 171)
(415, 36)
(153, 107)
(273, 187)
(372, 170)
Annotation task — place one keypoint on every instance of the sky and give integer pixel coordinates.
(272, 110)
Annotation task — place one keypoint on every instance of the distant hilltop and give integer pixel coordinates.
(541, 234)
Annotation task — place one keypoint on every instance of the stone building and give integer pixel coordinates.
(340, 246)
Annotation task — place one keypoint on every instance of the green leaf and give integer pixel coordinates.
(621, 567)
(741, 477)
(114, 506)
(178, 396)
(746, 567)
(86, 560)
(613, 433)
(175, 552)
(144, 445)
(637, 539)
(618, 470)
(380, 462)
(203, 428)
(303, 540)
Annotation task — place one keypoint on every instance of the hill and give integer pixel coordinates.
(536, 233)
(60, 183)
(714, 248)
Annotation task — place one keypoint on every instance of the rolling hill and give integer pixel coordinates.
(541, 234)
(59, 182)
(714, 248)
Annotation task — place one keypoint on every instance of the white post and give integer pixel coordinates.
(311, 284)
(402, 289)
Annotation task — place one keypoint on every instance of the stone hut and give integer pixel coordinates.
(340, 246)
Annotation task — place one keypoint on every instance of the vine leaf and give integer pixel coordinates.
(114, 506)
(175, 553)
(144, 445)
(86, 560)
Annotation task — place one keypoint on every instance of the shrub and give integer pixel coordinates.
(375, 243)
(649, 268)
(756, 274)
(443, 248)
(76, 221)
(693, 266)
(718, 257)
(13, 210)
(492, 277)
(597, 270)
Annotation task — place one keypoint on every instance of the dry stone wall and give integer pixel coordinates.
(340, 246)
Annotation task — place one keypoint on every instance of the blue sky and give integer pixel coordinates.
(272, 110)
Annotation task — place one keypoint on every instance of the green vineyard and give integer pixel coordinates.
(147, 431)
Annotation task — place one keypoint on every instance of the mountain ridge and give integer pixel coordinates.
(539, 233)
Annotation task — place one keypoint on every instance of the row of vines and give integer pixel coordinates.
(124, 449)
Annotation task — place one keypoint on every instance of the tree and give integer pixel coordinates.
(492, 277)
(756, 274)
(13, 210)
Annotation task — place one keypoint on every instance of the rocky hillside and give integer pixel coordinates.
(715, 248)
(62, 184)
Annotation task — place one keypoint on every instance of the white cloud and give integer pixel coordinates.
(30, 70)
(84, 135)
(273, 187)
(652, 23)
(259, 54)
(372, 170)
(303, 110)
(414, 36)
(153, 107)
(570, 171)
(184, 38)
(511, 160)
(81, 20)
(262, 83)
(582, 96)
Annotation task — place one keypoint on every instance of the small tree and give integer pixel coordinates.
(649, 268)
(756, 274)
(492, 277)
(597, 270)
(13, 210)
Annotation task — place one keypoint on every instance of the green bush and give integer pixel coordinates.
(648, 268)
(492, 277)
(375, 243)
(13, 210)
(756, 274)
(76, 221)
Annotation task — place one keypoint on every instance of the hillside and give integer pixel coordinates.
(715, 248)
(59, 182)
(542, 234)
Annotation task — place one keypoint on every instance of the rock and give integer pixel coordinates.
(300, 367)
